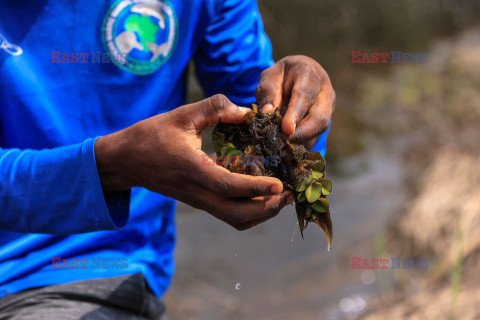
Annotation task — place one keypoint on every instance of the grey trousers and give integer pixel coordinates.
(126, 297)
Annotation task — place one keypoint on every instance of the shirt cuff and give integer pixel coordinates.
(111, 209)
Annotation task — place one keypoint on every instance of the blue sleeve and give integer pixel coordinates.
(321, 144)
(234, 51)
(57, 191)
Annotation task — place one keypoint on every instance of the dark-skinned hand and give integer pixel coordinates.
(163, 154)
(300, 88)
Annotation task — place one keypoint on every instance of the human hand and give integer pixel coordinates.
(300, 88)
(163, 154)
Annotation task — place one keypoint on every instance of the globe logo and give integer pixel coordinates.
(140, 35)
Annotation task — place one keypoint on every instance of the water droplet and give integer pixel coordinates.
(236, 254)
(238, 286)
(352, 305)
(294, 231)
(368, 277)
(347, 304)
(330, 248)
(359, 304)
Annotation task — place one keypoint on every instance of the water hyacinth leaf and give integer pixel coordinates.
(326, 187)
(317, 206)
(227, 148)
(325, 223)
(324, 202)
(218, 139)
(308, 192)
(302, 186)
(308, 214)
(314, 155)
(313, 192)
(317, 174)
(301, 209)
(261, 135)
(301, 197)
(319, 166)
(234, 153)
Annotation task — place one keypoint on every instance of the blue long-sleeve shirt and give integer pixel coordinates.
(71, 71)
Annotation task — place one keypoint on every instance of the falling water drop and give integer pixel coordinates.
(330, 248)
(294, 231)
(238, 286)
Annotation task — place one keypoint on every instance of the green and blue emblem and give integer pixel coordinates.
(140, 35)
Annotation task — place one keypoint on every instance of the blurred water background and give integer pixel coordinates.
(403, 155)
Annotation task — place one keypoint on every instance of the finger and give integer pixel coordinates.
(213, 110)
(231, 185)
(242, 213)
(317, 120)
(304, 94)
(253, 223)
(269, 90)
(263, 208)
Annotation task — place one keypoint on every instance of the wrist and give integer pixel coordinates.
(110, 158)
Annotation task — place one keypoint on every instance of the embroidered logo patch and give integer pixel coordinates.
(140, 35)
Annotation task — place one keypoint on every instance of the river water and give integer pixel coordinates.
(269, 272)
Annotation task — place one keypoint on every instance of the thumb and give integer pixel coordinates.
(218, 108)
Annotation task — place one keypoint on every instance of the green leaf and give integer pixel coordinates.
(316, 174)
(326, 187)
(319, 166)
(313, 192)
(301, 197)
(227, 148)
(321, 205)
(324, 203)
(234, 153)
(314, 155)
(302, 186)
(309, 212)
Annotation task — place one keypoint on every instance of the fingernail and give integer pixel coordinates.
(277, 188)
(268, 108)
